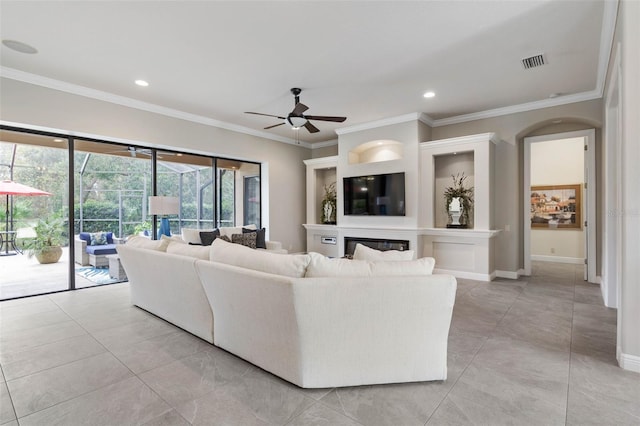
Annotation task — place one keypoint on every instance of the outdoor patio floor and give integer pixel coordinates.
(21, 276)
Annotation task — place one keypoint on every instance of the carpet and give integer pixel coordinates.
(97, 275)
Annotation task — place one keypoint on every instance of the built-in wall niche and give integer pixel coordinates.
(376, 151)
(446, 166)
(321, 172)
(323, 179)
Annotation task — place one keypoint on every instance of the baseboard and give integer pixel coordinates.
(558, 259)
(512, 275)
(466, 275)
(629, 362)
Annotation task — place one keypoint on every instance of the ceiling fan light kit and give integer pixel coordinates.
(297, 119)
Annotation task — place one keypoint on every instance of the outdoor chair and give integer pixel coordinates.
(104, 244)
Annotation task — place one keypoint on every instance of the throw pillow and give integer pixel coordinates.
(260, 236)
(208, 237)
(363, 252)
(224, 238)
(146, 243)
(98, 238)
(322, 266)
(289, 265)
(192, 235)
(248, 239)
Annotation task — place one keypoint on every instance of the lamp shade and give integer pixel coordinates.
(163, 205)
(295, 122)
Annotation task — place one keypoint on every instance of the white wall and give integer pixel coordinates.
(405, 133)
(509, 159)
(559, 162)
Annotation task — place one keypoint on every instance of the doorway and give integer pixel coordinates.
(559, 200)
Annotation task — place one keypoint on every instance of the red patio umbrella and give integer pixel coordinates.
(9, 187)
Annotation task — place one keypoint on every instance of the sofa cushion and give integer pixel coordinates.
(85, 236)
(363, 252)
(197, 251)
(247, 240)
(192, 235)
(260, 236)
(103, 249)
(146, 243)
(290, 265)
(322, 266)
(207, 237)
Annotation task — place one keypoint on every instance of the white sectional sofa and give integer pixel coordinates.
(313, 321)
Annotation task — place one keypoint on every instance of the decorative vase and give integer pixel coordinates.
(49, 255)
(455, 211)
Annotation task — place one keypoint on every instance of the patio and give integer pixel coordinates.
(23, 276)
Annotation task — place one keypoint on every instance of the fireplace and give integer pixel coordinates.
(374, 243)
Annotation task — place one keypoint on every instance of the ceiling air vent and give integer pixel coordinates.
(533, 61)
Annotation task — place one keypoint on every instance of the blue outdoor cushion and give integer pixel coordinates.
(86, 236)
(101, 250)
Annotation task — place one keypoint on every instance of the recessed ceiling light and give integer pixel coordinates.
(142, 83)
(58, 140)
(19, 46)
(429, 94)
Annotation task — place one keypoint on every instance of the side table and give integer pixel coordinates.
(115, 268)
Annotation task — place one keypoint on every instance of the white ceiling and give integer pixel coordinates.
(365, 60)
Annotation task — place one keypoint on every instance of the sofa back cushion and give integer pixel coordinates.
(363, 252)
(321, 266)
(182, 249)
(146, 243)
(290, 265)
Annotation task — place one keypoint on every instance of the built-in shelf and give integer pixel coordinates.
(376, 151)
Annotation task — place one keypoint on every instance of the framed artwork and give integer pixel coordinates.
(556, 207)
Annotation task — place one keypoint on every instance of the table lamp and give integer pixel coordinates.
(163, 206)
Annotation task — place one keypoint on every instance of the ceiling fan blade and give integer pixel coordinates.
(325, 118)
(275, 125)
(267, 115)
(311, 128)
(299, 109)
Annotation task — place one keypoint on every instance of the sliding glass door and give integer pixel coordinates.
(34, 215)
(86, 196)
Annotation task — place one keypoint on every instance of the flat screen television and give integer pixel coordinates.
(374, 195)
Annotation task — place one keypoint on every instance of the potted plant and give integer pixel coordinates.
(329, 204)
(463, 201)
(45, 246)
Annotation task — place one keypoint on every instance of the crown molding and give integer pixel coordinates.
(414, 116)
(331, 142)
(87, 92)
(513, 109)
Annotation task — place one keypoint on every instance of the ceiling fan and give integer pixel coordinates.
(297, 119)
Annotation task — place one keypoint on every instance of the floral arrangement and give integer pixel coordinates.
(458, 190)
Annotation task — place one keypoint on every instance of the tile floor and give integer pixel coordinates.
(540, 351)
